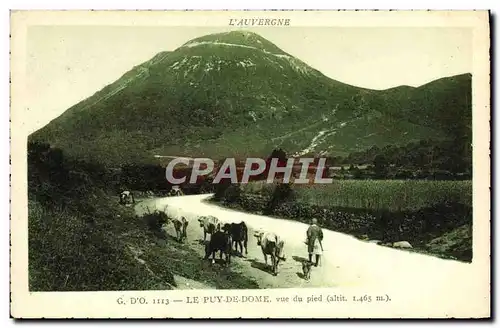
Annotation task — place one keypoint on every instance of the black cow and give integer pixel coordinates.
(221, 242)
(239, 235)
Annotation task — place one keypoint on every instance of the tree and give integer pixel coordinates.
(280, 154)
(356, 173)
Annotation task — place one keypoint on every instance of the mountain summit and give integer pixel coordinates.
(238, 94)
(242, 39)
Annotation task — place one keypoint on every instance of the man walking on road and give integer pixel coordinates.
(314, 241)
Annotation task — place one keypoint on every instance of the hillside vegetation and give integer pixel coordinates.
(81, 239)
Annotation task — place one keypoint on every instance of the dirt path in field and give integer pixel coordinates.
(347, 261)
(251, 264)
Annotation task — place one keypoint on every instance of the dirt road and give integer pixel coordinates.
(347, 261)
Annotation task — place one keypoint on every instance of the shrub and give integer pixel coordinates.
(282, 192)
(220, 189)
(232, 193)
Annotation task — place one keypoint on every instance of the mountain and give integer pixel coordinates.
(237, 94)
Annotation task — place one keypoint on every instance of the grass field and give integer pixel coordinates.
(393, 195)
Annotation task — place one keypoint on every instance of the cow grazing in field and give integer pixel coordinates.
(126, 196)
(239, 235)
(210, 225)
(180, 228)
(220, 241)
(271, 244)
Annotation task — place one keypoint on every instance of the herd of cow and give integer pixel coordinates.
(226, 236)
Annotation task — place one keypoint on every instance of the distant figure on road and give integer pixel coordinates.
(314, 241)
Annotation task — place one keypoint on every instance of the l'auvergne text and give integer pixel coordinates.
(259, 22)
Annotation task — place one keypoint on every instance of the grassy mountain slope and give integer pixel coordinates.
(237, 94)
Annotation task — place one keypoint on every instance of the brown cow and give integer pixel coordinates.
(271, 244)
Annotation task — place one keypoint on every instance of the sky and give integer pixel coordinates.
(67, 64)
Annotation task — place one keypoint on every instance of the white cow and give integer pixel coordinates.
(210, 224)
